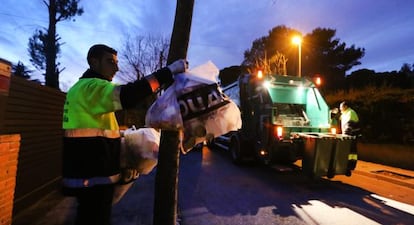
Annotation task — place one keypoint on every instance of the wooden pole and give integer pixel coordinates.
(180, 36)
(166, 180)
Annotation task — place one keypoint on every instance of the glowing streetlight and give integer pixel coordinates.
(297, 40)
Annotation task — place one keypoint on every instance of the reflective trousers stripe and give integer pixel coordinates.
(92, 132)
(352, 157)
(80, 182)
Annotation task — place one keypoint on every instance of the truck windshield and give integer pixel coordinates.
(290, 115)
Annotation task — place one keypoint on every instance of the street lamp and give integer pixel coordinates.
(297, 40)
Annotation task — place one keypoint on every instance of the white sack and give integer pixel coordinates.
(140, 149)
(199, 106)
(164, 113)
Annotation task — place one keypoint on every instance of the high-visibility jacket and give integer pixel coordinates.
(349, 119)
(91, 144)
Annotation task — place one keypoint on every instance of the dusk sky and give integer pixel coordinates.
(221, 30)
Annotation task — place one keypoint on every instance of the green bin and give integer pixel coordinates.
(317, 153)
(341, 155)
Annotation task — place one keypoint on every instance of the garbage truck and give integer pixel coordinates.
(285, 119)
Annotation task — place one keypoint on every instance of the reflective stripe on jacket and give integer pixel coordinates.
(92, 132)
(77, 182)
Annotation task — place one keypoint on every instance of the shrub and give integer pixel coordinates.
(386, 114)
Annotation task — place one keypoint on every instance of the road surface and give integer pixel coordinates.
(214, 191)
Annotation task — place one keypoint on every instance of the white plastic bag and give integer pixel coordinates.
(164, 113)
(139, 155)
(141, 149)
(204, 111)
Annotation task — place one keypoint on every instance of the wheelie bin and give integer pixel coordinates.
(344, 156)
(317, 155)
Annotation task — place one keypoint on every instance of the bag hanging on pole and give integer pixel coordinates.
(196, 104)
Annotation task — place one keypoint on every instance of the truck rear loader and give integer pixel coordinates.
(285, 119)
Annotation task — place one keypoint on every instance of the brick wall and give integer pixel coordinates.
(9, 151)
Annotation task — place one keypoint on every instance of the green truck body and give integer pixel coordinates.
(280, 115)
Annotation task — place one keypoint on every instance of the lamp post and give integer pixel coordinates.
(297, 40)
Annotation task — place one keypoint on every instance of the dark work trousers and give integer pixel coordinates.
(95, 205)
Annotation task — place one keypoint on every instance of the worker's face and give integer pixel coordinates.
(107, 66)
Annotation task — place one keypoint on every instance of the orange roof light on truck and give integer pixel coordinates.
(259, 74)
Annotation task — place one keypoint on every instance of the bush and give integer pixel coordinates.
(386, 114)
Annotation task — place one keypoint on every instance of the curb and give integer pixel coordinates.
(384, 178)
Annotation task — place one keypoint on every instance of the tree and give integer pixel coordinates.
(37, 49)
(273, 65)
(267, 52)
(321, 53)
(21, 70)
(143, 55)
(44, 45)
(360, 79)
(329, 57)
(364, 78)
(407, 69)
(277, 63)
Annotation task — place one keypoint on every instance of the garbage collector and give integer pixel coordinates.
(91, 143)
(349, 119)
(350, 126)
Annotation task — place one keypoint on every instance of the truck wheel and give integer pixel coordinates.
(235, 149)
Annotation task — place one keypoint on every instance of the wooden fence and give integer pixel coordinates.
(35, 112)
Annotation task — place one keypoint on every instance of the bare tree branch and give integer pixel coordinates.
(142, 55)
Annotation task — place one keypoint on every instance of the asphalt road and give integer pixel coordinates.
(214, 191)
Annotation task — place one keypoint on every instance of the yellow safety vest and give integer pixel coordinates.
(89, 109)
